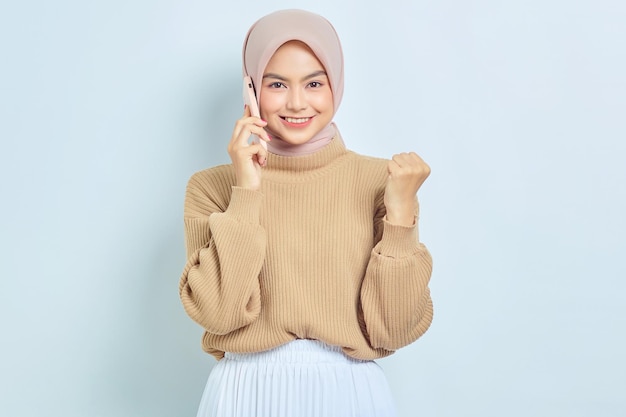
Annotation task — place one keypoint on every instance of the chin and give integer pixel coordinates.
(300, 138)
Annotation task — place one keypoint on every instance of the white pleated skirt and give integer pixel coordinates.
(304, 378)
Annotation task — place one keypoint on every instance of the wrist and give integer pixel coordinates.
(401, 218)
(252, 184)
(402, 213)
(250, 187)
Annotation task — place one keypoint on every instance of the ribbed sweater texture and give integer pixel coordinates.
(308, 256)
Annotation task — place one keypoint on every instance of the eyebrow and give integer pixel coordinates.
(308, 77)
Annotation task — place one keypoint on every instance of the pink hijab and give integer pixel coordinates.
(267, 35)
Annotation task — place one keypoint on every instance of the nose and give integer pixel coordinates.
(296, 100)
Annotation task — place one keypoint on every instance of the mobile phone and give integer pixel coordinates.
(249, 98)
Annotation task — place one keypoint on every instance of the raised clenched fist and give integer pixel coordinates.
(407, 173)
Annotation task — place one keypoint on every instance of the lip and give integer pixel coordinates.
(297, 125)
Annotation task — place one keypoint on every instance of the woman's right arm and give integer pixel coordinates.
(219, 287)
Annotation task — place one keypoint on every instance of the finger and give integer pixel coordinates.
(252, 119)
(255, 139)
(402, 158)
(392, 167)
(246, 127)
(398, 159)
(408, 159)
(416, 158)
(417, 164)
(249, 130)
(256, 152)
(239, 123)
(246, 118)
(261, 154)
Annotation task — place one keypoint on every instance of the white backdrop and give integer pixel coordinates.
(108, 107)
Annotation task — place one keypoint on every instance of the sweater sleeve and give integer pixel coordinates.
(395, 299)
(219, 287)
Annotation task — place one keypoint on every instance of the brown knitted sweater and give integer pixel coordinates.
(309, 256)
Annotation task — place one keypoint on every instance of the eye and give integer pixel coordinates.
(277, 84)
(315, 84)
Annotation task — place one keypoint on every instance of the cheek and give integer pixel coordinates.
(269, 104)
(324, 101)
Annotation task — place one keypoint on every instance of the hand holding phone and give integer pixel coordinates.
(249, 98)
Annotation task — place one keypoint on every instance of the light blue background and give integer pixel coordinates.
(108, 107)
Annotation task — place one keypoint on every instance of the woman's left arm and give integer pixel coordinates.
(395, 299)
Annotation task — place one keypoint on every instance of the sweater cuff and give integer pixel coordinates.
(398, 241)
(245, 205)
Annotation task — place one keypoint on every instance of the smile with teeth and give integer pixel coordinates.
(297, 120)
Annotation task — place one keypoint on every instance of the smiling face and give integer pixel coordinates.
(296, 98)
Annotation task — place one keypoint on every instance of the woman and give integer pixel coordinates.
(304, 263)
